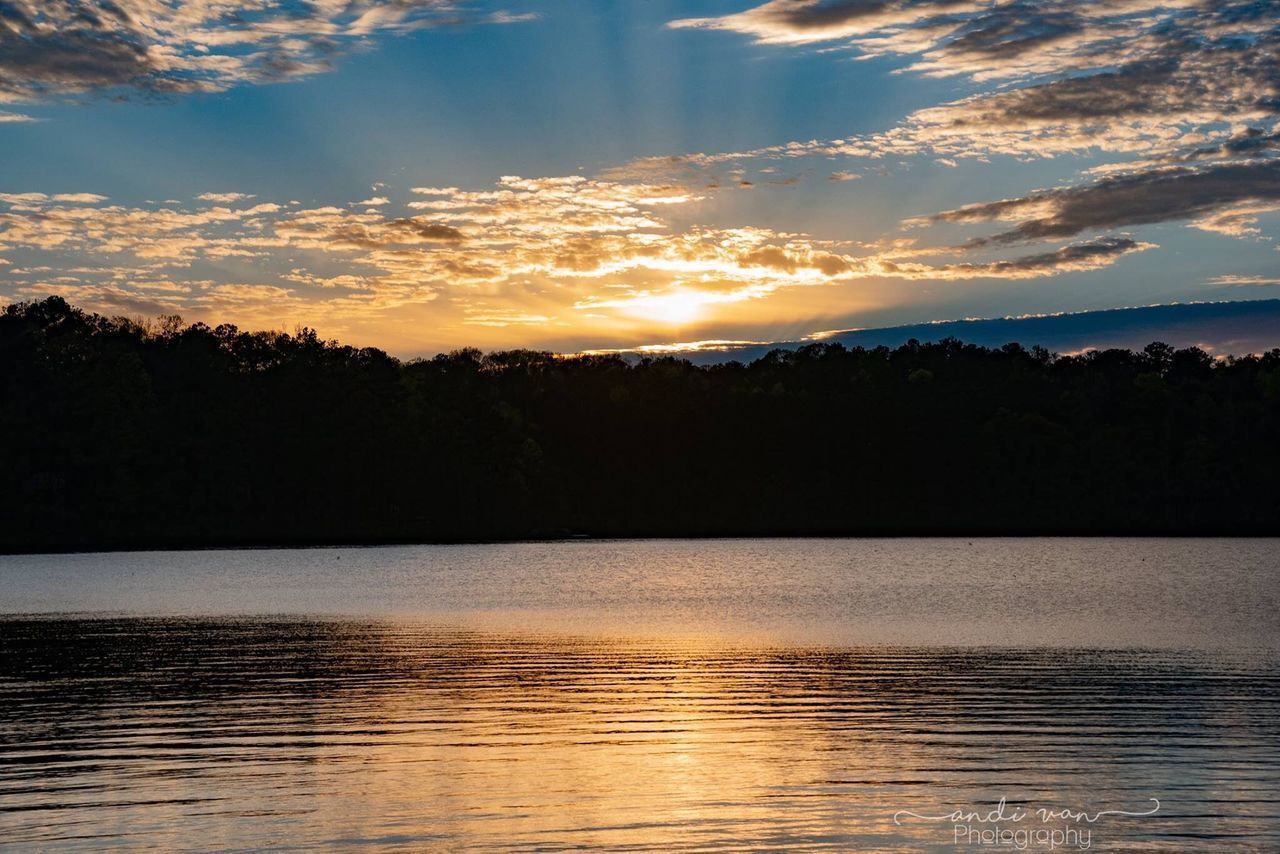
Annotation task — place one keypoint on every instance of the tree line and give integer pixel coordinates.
(119, 434)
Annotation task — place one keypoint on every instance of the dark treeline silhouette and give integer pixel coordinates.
(122, 434)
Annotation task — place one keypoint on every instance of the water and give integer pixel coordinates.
(649, 695)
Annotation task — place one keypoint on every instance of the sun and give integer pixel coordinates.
(676, 308)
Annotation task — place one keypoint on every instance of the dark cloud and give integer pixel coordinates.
(810, 15)
(352, 231)
(1158, 195)
(823, 14)
(799, 20)
(1240, 80)
(36, 59)
(1252, 142)
(1013, 29)
(56, 48)
(426, 230)
(1116, 75)
(1081, 256)
(1095, 78)
(1139, 88)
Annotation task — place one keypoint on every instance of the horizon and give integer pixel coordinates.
(1222, 330)
(738, 172)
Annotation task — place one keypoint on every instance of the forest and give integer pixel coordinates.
(124, 433)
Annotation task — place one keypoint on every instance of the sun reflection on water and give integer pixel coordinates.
(233, 733)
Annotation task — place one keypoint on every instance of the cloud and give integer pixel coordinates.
(1090, 255)
(1244, 281)
(1186, 89)
(224, 198)
(1237, 220)
(502, 318)
(60, 48)
(1227, 197)
(1251, 142)
(79, 198)
(6, 118)
(1053, 77)
(804, 21)
(1182, 95)
(44, 198)
(551, 251)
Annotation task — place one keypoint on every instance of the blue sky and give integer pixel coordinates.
(691, 171)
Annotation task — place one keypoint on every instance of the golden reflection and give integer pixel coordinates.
(353, 734)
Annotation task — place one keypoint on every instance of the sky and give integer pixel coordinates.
(423, 175)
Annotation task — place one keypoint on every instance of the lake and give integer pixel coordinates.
(908, 694)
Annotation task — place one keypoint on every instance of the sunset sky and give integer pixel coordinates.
(422, 175)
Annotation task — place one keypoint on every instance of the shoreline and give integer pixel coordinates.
(318, 545)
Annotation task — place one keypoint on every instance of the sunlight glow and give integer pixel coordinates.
(676, 309)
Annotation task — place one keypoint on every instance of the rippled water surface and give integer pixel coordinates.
(652, 695)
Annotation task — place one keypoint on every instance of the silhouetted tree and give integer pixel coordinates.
(119, 433)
